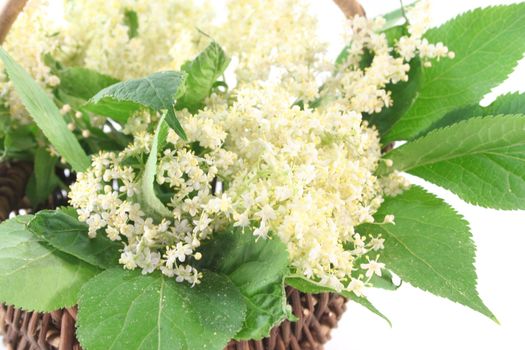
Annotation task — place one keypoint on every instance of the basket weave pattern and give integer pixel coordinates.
(317, 313)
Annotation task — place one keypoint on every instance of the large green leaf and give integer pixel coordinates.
(429, 246)
(83, 82)
(67, 234)
(203, 72)
(46, 114)
(125, 310)
(157, 92)
(308, 286)
(513, 103)
(43, 181)
(34, 275)
(257, 268)
(487, 43)
(481, 159)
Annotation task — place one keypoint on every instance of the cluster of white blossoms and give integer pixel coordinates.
(303, 175)
(371, 62)
(255, 159)
(96, 34)
(267, 39)
(28, 40)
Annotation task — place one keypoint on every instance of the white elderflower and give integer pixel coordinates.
(242, 220)
(178, 253)
(357, 286)
(373, 267)
(389, 219)
(377, 243)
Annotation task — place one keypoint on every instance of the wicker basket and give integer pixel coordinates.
(317, 314)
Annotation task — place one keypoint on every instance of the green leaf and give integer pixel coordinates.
(157, 92)
(131, 19)
(203, 72)
(173, 122)
(311, 287)
(126, 310)
(151, 203)
(35, 276)
(43, 181)
(487, 43)
(513, 103)
(397, 16)
(482, 160)
(429, 246)
(46, 114)
(83, 82)
(65, 233)
(257, 268)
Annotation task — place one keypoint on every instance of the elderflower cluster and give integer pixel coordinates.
(371, 63)
(254, 160)
(414, 44)
(305, 176)
(274, 39)
(96, 34)
(30, 38)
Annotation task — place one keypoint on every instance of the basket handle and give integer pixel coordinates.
(351, 8)
(8, 15)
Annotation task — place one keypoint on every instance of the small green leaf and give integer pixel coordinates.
(46, 114)
(203, 72)
(173, 122)
(65, 233)
(482, 160)
(311, 287)
(125, 310)
(430, 247)
(117, 110)
(83, 82)
(131, 19)
(151, 203)
(397, 16)
(487, 44)
(257, 268)
(513, 103)
(19, 143)
(43, 181)
(34, 275)
(157, 92)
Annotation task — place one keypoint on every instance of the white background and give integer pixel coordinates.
(422, 321)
